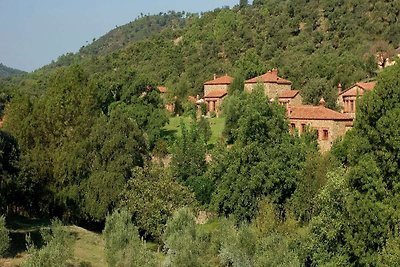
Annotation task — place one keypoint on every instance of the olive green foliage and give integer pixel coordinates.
(57, 250)
(181, 240)
(123, 246)
(4, 239)
(151, 196)
(264, 160)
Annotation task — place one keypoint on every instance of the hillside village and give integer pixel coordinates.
(328, 124)
(131, 152)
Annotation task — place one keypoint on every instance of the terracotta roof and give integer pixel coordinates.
(269, 77)
(367, 86)
(218, 93)
(308, 112)
(162, 89)
(221, 80)
(353, 90)
(288, 93)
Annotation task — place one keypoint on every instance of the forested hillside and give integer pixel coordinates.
(6, 71)
(84, 141)
(315, 44)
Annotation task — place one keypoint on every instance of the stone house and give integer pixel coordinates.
(214, 93)
(347, 99)
(273, 84)
(214, 100)
(222, 82)
(289, 98)
(327, 124)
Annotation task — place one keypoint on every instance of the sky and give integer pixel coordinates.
(35, 32)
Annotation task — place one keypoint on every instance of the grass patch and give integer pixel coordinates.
(88, 247)
(173, 128)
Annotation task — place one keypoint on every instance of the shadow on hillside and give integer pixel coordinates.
(19, 227)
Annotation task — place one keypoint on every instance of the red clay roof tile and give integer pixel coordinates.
(307, 112)
(221, 80)
(269, 77)
(353, 90)
(218, 93)
(288, 93)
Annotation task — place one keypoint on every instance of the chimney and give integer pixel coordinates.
(197, 97)
(322, 102)
(274, 71)
(339, 87)
(215, 76)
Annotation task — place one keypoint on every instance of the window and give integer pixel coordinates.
(325, 134)
(303, 127)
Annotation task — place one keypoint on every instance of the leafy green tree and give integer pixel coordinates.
(370, 216)
(123, 246)
(250, 64)
(181, 240)
(328, 227)
(4, 239)
(151, 196)
(204, 128)
(238, 247)
(57, 250)
(233, 109)
(314, 176)
(189, 157)
(243, 3)
(265, 160)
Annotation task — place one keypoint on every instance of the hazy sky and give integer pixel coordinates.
(34, 32)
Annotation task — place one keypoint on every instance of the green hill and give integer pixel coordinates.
(315, 44)
(7, 71)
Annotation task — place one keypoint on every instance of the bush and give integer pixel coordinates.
(123, 246)
(57, 250)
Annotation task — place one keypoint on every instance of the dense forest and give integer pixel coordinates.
(83, 142)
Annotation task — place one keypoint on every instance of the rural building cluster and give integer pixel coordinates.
(327, 124)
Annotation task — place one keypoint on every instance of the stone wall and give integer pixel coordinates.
(335, 129)
(210, 88)
(271, 90)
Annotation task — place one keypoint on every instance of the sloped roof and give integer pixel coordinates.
(269, 77)
(353, 90)
(288, 93)
(218, 93)
(308, 112)
(226, 80)
(162, 89)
